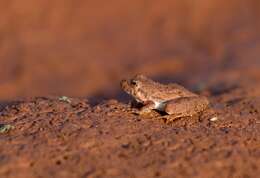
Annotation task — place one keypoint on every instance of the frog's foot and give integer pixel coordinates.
(147, 108)
(144, 113)
(172, 117)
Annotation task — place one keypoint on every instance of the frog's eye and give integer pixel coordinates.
(134, 82)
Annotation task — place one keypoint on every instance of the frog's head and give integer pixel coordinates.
(138, 87)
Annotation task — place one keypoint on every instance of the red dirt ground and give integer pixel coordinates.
(83, 49)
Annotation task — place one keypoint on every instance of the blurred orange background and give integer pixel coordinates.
(83, 48)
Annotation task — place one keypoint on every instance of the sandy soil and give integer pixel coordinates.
(52, 137)
(82, 50)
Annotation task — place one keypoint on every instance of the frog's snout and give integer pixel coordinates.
(124, 84)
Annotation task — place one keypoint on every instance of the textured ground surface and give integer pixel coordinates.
(60, 137)
(83, 49)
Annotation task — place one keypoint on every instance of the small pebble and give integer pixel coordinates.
(65, 99)
(5, 128)
(112, 102)
(213, 119)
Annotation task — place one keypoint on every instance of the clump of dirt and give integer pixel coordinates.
(52, 137)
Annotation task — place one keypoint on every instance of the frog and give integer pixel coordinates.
(172, 99)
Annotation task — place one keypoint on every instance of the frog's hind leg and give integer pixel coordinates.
(185, 107)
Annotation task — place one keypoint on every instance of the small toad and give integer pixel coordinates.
(172, 99)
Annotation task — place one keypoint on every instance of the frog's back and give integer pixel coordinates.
(177, 90)
(168, 92)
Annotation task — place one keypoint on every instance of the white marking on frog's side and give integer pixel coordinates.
(160, 105)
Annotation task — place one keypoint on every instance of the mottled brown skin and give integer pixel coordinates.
(173, 99)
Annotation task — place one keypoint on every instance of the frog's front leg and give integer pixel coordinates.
(147, 108)
(185, 106)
